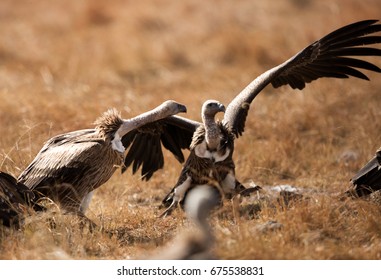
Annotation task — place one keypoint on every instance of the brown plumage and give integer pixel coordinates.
(15, 200)
(211, 143)
(330, 57)
(71, 165)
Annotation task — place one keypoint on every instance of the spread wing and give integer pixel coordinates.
(368, 178)
(331, 57)
(144, 145)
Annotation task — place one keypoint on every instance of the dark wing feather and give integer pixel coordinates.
(198, 169)
(368, 178)
(15, 198)
(144, 148)
(156, 154)
(326, 57)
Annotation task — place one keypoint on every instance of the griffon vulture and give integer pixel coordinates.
(195, 244)
(71, 165)
(331, 56)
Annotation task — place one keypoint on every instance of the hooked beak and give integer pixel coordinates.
(182, 108)
(221, 107)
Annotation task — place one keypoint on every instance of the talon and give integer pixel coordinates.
(169, 210)
(249, 191)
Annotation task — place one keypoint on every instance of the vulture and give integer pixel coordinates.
(71, 165)
(332, 56)
(16, 199)
(368, 178)
(195, 244)
(210, 159)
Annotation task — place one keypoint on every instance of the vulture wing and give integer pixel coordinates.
(328, 57)
(14, 198)
(368, 178)
(144, 145)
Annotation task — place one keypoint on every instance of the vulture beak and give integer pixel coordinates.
(182, 108)
(221, 107)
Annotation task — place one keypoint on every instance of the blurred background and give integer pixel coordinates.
(64, 62)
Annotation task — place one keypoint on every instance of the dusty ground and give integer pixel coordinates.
(65, 62)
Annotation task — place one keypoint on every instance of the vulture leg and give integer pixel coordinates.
(177, 195)
(170, 209)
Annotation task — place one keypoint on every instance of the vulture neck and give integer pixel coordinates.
(142, 119)
(136, 122)
(211, 132)
(198, 206)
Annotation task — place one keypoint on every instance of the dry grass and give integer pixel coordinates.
(65, 62)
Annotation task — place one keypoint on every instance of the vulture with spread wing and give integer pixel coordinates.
(71, 165)
(332, 56)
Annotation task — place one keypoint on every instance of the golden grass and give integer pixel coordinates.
(65, 62)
